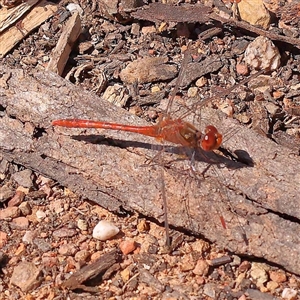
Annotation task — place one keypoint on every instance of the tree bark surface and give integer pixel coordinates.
(259, 203)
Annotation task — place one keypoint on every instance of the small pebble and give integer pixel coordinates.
(201, 82)
(82, 224)
(289, 294)
(200, 246)
(244, 266)
(20, 223)
(242, 69)
(187, 263)
(272, 286)
(6, 192)
(73, 7)
(125, 274)
(236, 260)
(277, 94)
(192, 92)
(155, 89)
(262, 54)
(40, 215)
(210, 290)
(3, 239)
(143, 226)
(96, 255)
(259, 274)
(23, 178)
(26, 276)
(278, 276)
(202, 268)
(9, 212)
(42, 244)
(64, 232)
(28, 237)
(82, 255)
(254, 12)
(135, 29)
(67, 249)
(127, 246)
(25, 208)
(16, 199)
(105, 230)
(148, 30)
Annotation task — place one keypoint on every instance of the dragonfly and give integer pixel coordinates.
(175, 131)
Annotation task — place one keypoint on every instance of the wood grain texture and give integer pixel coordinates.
(109, 168)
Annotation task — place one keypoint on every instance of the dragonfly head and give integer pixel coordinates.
(212, 139)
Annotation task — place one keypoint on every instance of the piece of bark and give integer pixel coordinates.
(112, 172)
(39, 14)
(158, 12)
(60, 54)
(92, 270)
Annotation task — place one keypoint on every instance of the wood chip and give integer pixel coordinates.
(60, 55)
(158, 12)
(35, 18)
(91, 271)
(10, 16)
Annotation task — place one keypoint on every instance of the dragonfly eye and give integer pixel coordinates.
(212, 139)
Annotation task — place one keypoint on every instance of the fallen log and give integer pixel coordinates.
(109, 168)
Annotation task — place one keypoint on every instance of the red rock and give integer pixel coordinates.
(16, 199)
(20, 223)
(202, 268)
(9, 212)
(242, 69)
(26, 276)
(278, 276)
(67, 249)
(128, 246)
(96, 255)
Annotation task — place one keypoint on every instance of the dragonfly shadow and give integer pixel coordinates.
(101, 139)
(237, 160)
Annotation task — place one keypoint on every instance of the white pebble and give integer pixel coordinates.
(104, 231)
(262, 54)
(289, 294)
(74, 7)
(40, 215)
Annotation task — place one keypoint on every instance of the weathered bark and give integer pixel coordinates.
(111, 172)
(97, 268)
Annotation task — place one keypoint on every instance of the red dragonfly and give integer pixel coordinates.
(174, 131)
